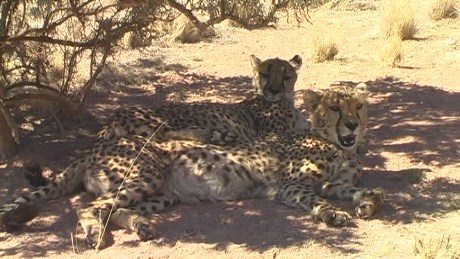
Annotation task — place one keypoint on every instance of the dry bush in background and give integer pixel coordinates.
(52, 48)
(398, 19)
(441, 9)
(323, 48)
(350, 5)
(390, 53)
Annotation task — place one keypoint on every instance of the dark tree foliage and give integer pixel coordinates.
(49, 49)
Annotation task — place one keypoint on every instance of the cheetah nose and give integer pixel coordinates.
(351, 125)
(275, 90)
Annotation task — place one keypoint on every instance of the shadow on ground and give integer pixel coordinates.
(410, 198)
(44, 236)
(145, 81)
(266, 224)
(151, 82)
(418, 121)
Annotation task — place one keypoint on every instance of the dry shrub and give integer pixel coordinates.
(323, 48)
(134, 39)
(351, 5)
(399, 20)
(441, 9)
(391, 52)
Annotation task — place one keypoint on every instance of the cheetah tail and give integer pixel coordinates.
(26, 207)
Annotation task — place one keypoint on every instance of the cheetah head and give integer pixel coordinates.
(339, 114)
(275, 78)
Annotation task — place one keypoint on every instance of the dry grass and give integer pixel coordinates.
(398, 20)
(323, 48)
(435, 248)
(441, 9)
(391, 52)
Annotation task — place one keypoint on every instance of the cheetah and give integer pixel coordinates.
(275, 78)
(133, 177)
(270, 110)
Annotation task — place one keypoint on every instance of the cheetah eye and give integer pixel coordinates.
(359, 106)
(334, 108)
(264, 75)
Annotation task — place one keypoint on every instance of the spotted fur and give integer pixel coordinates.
(270, 110)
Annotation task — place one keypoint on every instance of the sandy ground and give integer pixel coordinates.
(412, 152)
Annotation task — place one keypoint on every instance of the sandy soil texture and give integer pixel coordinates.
(412, 149)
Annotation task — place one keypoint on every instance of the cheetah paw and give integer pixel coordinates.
(222, 137)
(145, 230)
(368, 202)
(94, 238)
(335, 218)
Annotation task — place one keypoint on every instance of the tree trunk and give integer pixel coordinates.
(7, 141)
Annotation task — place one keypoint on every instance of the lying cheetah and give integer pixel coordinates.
(271, 110)
(135, 178)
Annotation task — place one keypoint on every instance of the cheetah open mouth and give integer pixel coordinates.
(348, 140)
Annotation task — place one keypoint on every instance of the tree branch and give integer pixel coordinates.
(48, 39)
(188, 13)
(26, 83)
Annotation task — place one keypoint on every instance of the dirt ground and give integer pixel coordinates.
(412, 152)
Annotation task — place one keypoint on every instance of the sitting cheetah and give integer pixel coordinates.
(134, 178)
(271, 110)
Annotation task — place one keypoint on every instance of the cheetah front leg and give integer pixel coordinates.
(129, 219)
(135, 188)
(134, 217)
(301, 195)
(366, 201)
(343, 187)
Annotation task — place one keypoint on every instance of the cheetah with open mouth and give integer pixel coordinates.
(133, 177)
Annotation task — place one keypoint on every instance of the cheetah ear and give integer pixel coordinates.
(361, 88)
(311, 99)
(296, 62)
(255, 62)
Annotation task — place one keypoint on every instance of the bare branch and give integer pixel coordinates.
(48, 39)
(188, 13)
(26, 83)
(45, 101)
(89, 84)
